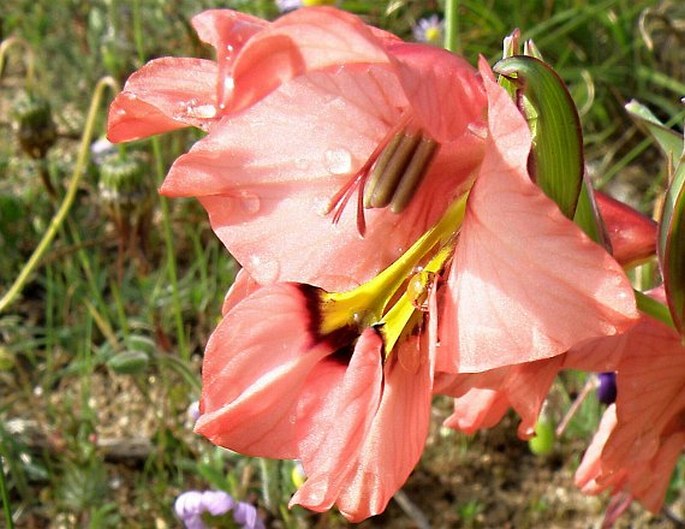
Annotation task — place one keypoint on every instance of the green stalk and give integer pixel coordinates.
(653, 308)
(57, 221)
(452, 41)
(166, 218)
(6, 508)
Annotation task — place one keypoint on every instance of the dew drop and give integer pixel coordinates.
(202, 111)
(302, 164)
(264, 270)
(249, 202)
(338, 161)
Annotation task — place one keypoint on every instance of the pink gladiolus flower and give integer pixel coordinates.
(642, 435)
(292, 180)
(338, 156)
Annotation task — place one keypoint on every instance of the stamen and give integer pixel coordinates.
(379, 168)
(413, 174)
(358, 181)
(399, 170)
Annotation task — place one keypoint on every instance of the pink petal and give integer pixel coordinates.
(632, 234)
(267, 197)
(482, 399)
(165, 94)
(228, 31)
(394, 444)
(446, 93)
(638, 448)
(300, 42)
(225, 29)
(255, 366)
(525, 283)
(590, 467)
(243, 285)
(334, 418)
(477, 409)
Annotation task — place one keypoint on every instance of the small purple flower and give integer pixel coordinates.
(217, 502)
(191, 505)
(193, 411)
(101, 149)
(429, 29)
(246, 514)
(288, 5)
(606, 392)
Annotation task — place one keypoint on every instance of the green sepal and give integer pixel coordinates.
(557, 156)
(588, 218)
(668, 140)
(671, 248)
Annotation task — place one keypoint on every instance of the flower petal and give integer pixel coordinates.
(166, 94)
(255, 365)
(334, 418)
(395, 442)
(228, 31)
(525, 282)
(445, 92)
(632, 234)
(225, 29)
(637, 447)
(243, 285)
(297, 43)
(482, 399)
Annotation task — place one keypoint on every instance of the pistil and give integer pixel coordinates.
(367, 305)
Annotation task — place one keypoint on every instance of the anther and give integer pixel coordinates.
(399, 170)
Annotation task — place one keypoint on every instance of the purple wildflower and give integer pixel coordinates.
(606, 392)
(191, 505)
(288, 5)
(193, 411)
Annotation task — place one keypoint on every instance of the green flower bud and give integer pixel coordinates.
(33, 125)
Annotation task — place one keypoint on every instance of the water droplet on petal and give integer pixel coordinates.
(338, 161)
(201, 111)
(249, 202)
(263, 270)
(302, 164)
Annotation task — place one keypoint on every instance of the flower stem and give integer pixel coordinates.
(4, 496)
(653, 308)
(452, 41)
(61, 215)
